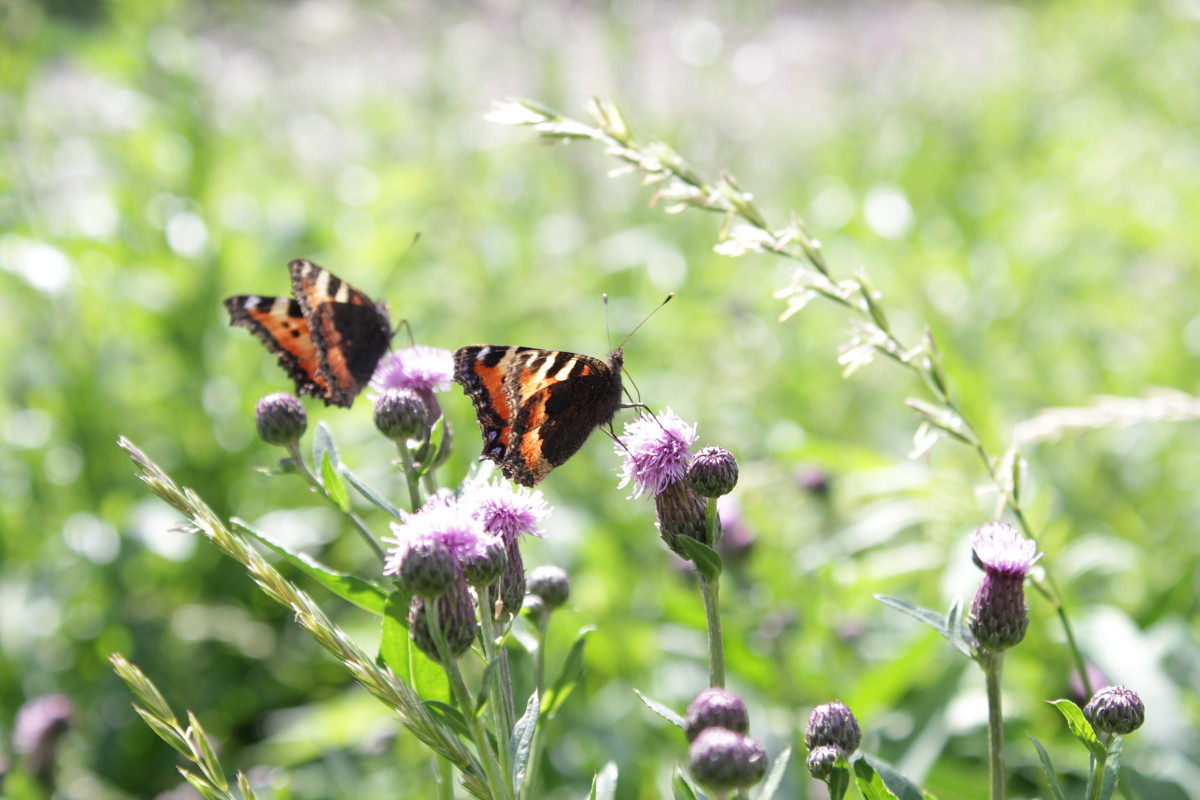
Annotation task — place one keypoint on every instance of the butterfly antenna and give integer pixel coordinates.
(644, 321)
(391, 277)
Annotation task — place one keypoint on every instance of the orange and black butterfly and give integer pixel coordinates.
(329, 336)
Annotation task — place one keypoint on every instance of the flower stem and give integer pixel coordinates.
(1096, 779)
(445, 779)
(712, 612)
(539, 682)
(993, 664)
(410, 475)
(500, 685)
(359, 525)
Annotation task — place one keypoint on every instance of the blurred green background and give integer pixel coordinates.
(1023, 178)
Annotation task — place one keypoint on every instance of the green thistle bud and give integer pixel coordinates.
(821, 761)
(401, 414)
(512, 581)
(1115, 709)
(680, 512)
(485, 569)
(549, 583)
(716, 708)
(456, 613)
(722, 759)
(428, 569)
(832, 724)
(280, 418)
(713, 472)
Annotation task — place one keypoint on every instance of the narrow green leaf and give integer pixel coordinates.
(334, 488)
(568, 677)
(1081, 729)
(206, 789)
(900, 786)
(680, 788)
(372, 496)
(405, 660)
(1056, 791)
(367, 595)
(208, 759)
(706, 560)
(604, 785)
(770, 784)
(870, 785)
(664, 712)
(167, 733)
(323, 443)
(245, 788)
(519, 745)
(1112, 770)
(955, 633)
(931, 618)
(839, 779)
(432, 451)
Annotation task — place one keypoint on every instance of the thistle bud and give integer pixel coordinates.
(998, 616)
(722, 759)
(821, 760)
(280, 418)
(456, 615)
(485, 568)
(1115, 709)
(680, 512)
(512, 581)
(713, 472)
(832, 724)
(428, 569)
(549, 583)
(400, 414)
(716, 708)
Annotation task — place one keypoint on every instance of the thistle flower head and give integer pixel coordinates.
(1115, 709)
(713, 472)
(280, 419)
(821, 760)
(998, 617)
(832, 724)
(550, 583)
(504, 510)
(999, 548)
(400, 414)
(486, 568)
(443, 527)
(715, 708)
(722, 759)
(418, 367)
(456, 616)
(655, 451)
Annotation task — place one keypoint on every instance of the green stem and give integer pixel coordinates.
(410, 475)
(1096, 779)
(712, 612)
(359, 525)
(500, 789)
(499, 686)
(539, 682)
(445, 779)
(993, 665)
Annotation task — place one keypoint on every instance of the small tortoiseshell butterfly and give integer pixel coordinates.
(329, 336)
(535, 407)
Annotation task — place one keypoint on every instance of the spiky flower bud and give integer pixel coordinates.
(680, 512)
(512, 581)
(401, 414)
(998, 616)
(832, 724)
(456, 616)
(550, 583)
(713, 472)
(1115, 709)
(486, 567)
(280, 418)
(722, 759)
(821, 760)
(716, 708)
(428, 569)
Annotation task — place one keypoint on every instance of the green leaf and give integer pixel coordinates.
(839, 779)
(680, 788)
(775, 776)
(604, 785)
(406, 661)
(568, 677)
(951, 631)
(664, 712)
(706, 560)
(432, 451)
(870, 785)
(372, 496)
(522, 739)
(1056, 791)
(367, 595)
(323, 443)
(1081, 729)
(334, 488)
(900, 786)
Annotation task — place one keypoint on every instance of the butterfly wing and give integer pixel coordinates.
(280, 324)
(350, 332)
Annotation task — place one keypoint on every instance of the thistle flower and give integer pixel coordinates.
(832, 724)
(998, 616)
(821, 760)
(722, 759)
(508, 513)
(655, 452)
(422, 369)
(713, 472)
(1115, 709)
(456, 615)
(431, 547)
(487, 567)
(280, 419)
(550, 583)
(680, 512)
(400, 414)
(715, 708)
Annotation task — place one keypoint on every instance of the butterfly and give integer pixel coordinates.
(329, 336)
(535, 407)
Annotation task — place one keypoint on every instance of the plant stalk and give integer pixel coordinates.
(359, 525)
(993, 665)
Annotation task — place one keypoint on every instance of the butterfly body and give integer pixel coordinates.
(329, 336)
(537, 407)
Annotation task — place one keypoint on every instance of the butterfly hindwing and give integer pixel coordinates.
(329, 337)
(537, 407)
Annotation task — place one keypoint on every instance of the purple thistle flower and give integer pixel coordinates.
(998, 617)
(419, 367)
(504, 510)
(656, 452)
(1000, 549)
(446, 526)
